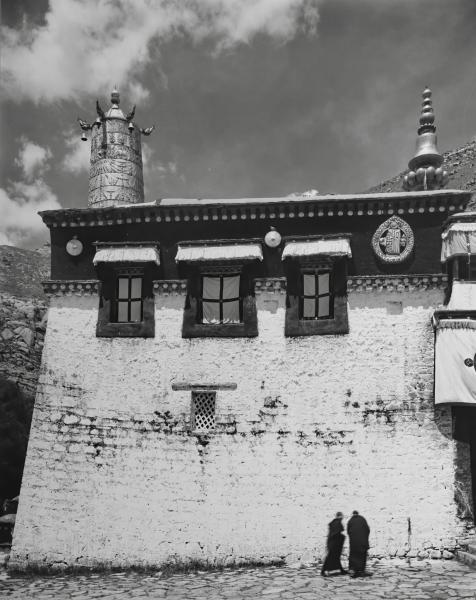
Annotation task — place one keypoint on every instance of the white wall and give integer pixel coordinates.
(351, 426)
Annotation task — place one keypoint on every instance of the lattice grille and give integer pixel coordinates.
(203, 410)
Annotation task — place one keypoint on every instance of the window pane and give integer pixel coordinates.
(136, 310)
(211, 288)
(309, 308)
(323, 283)
(309, 284)
(231, 287)
(123, 290)
(211, 312)
(122, 312)
(231, 312)
(136, 287)
(323, 307)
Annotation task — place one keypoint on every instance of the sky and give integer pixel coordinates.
(249, 98)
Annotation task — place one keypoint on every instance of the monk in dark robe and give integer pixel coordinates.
(358, 532)
(335, 541)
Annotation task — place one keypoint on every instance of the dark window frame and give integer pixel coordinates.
(192, 326)
(109, 275)
(329, 294)
(220, 300)
(337, 322)
(128, 299)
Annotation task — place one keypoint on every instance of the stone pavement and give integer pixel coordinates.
(392, 580)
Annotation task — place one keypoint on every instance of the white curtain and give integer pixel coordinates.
(455, 355)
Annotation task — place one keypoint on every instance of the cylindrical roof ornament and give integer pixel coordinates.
(426, 172)
(115, 174)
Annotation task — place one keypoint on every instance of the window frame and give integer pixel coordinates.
(220, 301)
(117, 301)
(109, 275)
(337, 322)
(192, 326)
(316, 271)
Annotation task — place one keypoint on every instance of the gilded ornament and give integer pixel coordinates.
(393, 241)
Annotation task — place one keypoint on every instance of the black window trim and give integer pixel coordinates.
(220, 300)
(316, 271)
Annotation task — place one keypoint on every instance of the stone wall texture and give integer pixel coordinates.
(22, 331)
(114, 477)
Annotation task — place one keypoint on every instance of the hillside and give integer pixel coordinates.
(22, 271)
(459, 163)
(22, 314)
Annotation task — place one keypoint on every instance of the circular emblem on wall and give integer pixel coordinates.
(74, 247)
(393, 241)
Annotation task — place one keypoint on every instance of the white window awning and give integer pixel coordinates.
(130, 254)
(463, 296)
(455, 373)
(202, 252)
(458, 239)
(330, 247)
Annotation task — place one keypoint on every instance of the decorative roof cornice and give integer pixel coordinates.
(396, 283)
(249, 209)
(71, 287)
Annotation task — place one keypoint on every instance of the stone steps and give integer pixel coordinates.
(468, 556)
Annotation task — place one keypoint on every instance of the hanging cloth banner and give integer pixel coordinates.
(455, 362)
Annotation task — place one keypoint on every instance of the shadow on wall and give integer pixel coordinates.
(464, 434)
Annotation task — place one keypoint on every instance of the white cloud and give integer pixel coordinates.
(19, 205)
(32, 159)
(21, 200)
(86, 45)
(76, 159)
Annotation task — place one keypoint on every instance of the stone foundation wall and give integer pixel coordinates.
(114, 476)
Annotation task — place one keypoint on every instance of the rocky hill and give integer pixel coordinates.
(459, 163)
(22, 314)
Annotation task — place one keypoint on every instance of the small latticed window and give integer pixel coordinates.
(128, 304)
(316, 301)
(203, 411)
(220, 300)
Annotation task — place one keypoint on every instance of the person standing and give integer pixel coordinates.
(335, 542)
(358, 532)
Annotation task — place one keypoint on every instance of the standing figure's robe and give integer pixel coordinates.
(358, 531)
(335, 541)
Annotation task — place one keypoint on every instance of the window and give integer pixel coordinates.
(203, 411)
(127, 306)
(220, 300)
(316, 300)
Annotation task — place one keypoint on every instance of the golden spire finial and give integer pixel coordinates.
(425, 166)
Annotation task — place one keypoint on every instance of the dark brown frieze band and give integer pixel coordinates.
(397, 283)
(70, 287)
(298, 207)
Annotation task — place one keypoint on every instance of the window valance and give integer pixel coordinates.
(132, 254)
(458, 239)
(327, 247)
(202, 252)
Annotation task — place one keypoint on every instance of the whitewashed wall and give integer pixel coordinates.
(315, 425)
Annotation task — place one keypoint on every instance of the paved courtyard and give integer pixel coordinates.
(392, 580)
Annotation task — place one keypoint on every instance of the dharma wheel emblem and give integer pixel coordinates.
(393, 241)
(470, 362)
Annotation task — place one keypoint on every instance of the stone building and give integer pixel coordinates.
(219, 376)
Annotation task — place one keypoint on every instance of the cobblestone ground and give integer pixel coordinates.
(392, 580)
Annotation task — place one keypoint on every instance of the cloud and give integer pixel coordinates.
(85, 45)
(21, 200)
(76, 159)
(32, 159)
